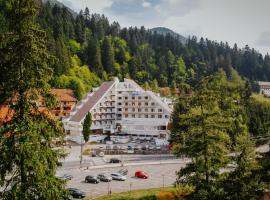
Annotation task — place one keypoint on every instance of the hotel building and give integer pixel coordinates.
(264, 88)
(121, 107)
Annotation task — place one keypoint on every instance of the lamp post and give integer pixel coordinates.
(163, 184)
(109, 189)
(81, 154)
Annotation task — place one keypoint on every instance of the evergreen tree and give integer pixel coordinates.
(86, 127)
(108, 55)
(28, 163)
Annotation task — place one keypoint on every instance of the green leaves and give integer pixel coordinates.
(28, 163)
(86, 126)
(207, 126)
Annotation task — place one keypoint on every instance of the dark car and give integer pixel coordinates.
(104, 178)
(91, 179)
(115, 160)
(75, 193)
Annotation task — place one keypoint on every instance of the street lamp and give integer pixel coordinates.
(163, 177)
(109, 189)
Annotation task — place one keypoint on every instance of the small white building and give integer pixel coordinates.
(121, 107)
(264, 87)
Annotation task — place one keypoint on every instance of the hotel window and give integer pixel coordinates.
(126, 104)
(152, 116)
(139, 97)
(133, 104)
(146, 103)
(139, 104)
(152, 104)
(126, 115)
(133, 116)
(119, 109)
(119, 92)
(133, 98)
(139, 109)
(126, 109)
(146, 116)
(146, 97)
(159, 116)
(119, 98)
(152, 110)
(126, 98)
(167, 116)
(146, 109)
(119, 103)
(159, 110)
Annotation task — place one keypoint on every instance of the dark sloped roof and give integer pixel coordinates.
(91, 101)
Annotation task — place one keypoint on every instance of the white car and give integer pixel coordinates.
(118, 177)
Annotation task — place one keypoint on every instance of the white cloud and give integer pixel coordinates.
(146, 4)
(176, 7)
(95, 6)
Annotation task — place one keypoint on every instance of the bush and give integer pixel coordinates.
(165, 196)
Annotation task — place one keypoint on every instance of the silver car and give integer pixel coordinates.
(118, 177)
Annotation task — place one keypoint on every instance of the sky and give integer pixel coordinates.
(245, 22)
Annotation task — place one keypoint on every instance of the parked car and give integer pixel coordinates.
(66, 177)
(76, 193)
(104, 178)
(118, 177)
(91, 179)
(115, 160)
(151, 147)
(130, 148)
(141, 174)
(144, 147)
(123, 171)
(124, 147)
(94, 154)
(158, 147)
(101, 154)
(137, 147)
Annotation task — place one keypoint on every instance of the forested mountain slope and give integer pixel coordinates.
(87, 49)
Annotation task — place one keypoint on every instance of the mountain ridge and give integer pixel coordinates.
(164, 31)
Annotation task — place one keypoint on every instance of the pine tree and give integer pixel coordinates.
(28, 163)
(201, 132)
(108, 55)
(86, 127)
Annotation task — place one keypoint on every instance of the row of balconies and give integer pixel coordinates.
(140, 110)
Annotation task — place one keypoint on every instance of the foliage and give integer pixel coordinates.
(124, 52)
(80, 79)
(206, 126)
(259, 115)
(86, 127)
(179, 192)
(28, 163)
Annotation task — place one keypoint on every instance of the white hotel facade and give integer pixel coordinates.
(121, 107)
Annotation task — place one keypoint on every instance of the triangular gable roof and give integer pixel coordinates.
(92, 101)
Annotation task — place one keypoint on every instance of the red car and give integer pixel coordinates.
(141, 174)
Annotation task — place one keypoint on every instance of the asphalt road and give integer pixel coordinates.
(156, 173)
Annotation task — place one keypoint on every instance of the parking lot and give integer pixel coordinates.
(159, 175)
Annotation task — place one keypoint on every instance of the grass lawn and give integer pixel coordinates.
(148, 194)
